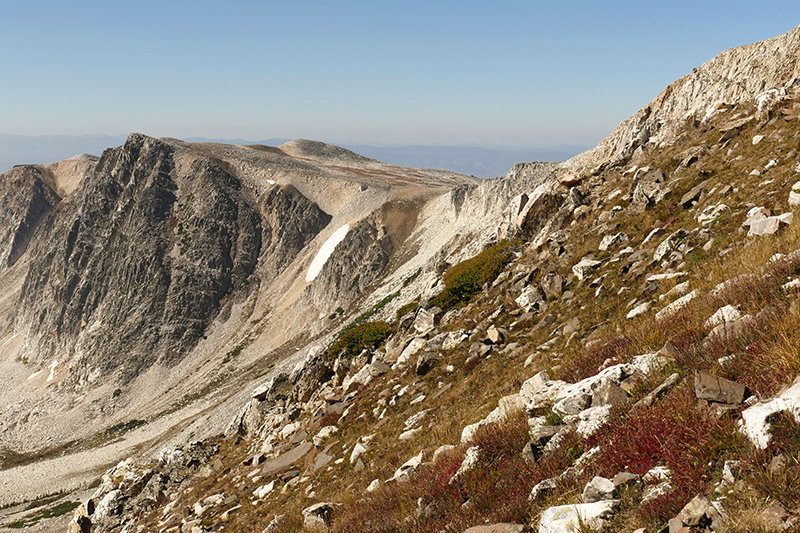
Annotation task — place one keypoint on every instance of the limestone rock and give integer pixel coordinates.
(319, 516)
(754, 419)
(529, 299)
(599, 489)
(584, 266)
(613, 240)
(570, 518)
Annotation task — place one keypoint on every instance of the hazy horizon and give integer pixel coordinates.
(480, 161)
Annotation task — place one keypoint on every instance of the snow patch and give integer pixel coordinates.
(325, 252)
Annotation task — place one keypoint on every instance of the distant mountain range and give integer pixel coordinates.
(482, 162)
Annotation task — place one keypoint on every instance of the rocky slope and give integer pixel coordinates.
(623, 355)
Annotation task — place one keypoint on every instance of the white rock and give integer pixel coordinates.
(453, 339)
(753, 423)
(794, 284)
(528, 298)
(533, 385)
(413, 348)
(578, 517)
(612, 240)
(794, 198)
(358, 449)
(670, 310)
(409, 434)
(598, 489)
(263, 490)
(409, 467)
(668, 275)
(375, 485)
(724, 314)
(471, 458)
(584, 266)
(757, 139)
(323, 434)
(638, 310)
(657, 474)
(415, 420)
(653, 492)
(444, 448)
(590, 420)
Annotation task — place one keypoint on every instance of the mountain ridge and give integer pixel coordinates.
(581, 254)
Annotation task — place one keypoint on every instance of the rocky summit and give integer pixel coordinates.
(203, 337)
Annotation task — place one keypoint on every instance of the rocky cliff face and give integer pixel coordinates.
(136, 262)
(27, 199)
(163, 246)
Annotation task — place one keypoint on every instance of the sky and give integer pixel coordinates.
(500, 73)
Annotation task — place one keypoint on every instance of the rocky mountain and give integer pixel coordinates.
(302, 338)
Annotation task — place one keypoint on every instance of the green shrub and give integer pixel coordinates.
(466, 278)
(407, 308)
(351, 341)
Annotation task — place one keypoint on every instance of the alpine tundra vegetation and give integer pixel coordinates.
(608, 343)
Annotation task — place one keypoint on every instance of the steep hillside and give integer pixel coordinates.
(608, 343)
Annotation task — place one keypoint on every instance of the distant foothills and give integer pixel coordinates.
(479, 161)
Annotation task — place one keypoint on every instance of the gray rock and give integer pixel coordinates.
(425, 362)
(552, 285)
(543, 488)
(529, 298)
(698, 513)
(427, 319)
(584, 266)
(613, 240)
(319, 516)
(599, 489)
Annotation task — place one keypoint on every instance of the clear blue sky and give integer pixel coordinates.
(415, 72)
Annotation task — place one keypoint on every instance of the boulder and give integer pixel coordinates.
(613, 240)
(409, 468)
(668, 244)
(673, 308)
(495, 335)
(552, 285)
(599, 489)
(529, 299)
(699, 513)
(716, 389)
(584, 266)
(691, 197)
(754, 422)
(425, 362)
(574, 518)
(319, 516)
(537, 212)
(724, 314)
(427, 319)
(412, 349)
